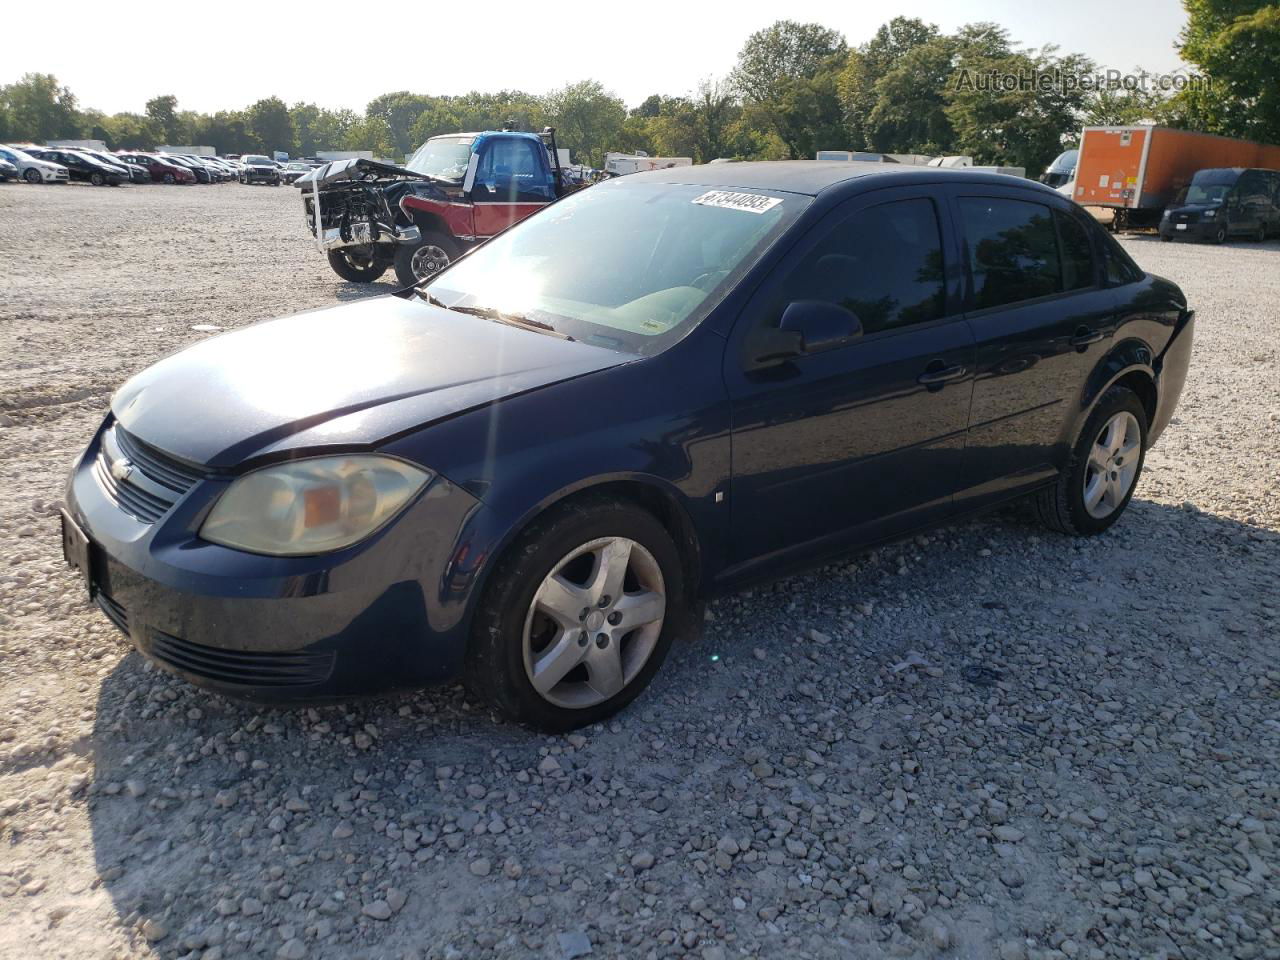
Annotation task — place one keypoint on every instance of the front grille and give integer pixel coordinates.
(114, 611)
(141, 480)
(242, 667)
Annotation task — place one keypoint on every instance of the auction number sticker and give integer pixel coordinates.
(746, 202)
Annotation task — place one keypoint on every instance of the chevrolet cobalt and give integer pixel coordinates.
(526, 470)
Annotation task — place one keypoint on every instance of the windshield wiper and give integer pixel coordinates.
(511, 319)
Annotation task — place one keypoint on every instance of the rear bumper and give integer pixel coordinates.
(1171, 374)
(366, 620)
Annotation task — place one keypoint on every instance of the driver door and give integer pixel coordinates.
(864, 441)
(509, 183)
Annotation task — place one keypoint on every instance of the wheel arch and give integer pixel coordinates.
(1131, 364)
(649, 493)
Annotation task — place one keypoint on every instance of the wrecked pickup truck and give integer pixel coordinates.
(456, 191)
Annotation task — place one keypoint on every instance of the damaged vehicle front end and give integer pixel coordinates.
(455, 191)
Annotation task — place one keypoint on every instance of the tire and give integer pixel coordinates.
(96, 179)
(32, 175)
(413, 260)
(1166, 238)
(1260, 235)
(587, 680)
(343, 266)
(1064, 506)
(1220, 235)
(168, 178)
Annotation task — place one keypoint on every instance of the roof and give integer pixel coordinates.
(813, 177)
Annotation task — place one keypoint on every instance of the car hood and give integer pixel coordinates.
(1195, 207)
(344, 377)
(358, 169)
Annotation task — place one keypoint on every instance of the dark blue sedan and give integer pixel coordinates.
(527, 470)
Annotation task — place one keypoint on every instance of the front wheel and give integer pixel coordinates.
(578, 615)
(32, 175)
(358, 268)
(420, 261)
(1099, 479)
(1220, 235)
(96, 179)
(1260, 235)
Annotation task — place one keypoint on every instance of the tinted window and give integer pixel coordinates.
(1077, 255)
(1117, 268)
(884, 264)
(509, 171)
(1013, 252)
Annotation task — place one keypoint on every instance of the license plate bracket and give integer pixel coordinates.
(1180, 226)
(77, 550)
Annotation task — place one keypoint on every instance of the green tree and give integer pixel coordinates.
(892, 88)
(704, 126)
(1236, 46)
(588, 120)
(998, 121)
(787, 77)
(400, 111)
(38, 108)
(163, 110)
(271, 125)
(371, 133)
(780, 53)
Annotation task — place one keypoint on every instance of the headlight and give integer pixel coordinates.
(312, 506)
(1210, 214)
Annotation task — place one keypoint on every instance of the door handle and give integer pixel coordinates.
(936, 376)
(1084, 336)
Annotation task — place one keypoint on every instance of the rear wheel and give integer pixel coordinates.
(578, 615)
(1099, 480)
(420, 261)
(356, 267)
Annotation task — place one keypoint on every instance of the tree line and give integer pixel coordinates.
(796, 88)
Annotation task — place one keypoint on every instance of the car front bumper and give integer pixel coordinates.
(1200, 230)
(369, 619)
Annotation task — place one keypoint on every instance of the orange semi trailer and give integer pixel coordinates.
(1138, 170)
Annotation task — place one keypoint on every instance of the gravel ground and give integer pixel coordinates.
(991, 742)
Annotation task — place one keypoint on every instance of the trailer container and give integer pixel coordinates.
(1138, 170)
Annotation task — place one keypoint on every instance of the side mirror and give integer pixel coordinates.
(821, 324)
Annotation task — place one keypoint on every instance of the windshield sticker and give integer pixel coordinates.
(747, 202)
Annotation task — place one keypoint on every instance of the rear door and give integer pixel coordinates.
(864, 441)
(1041, 318)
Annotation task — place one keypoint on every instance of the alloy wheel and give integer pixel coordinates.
(32, 175)
(1113, 465)
(594, 622)
(428, 260)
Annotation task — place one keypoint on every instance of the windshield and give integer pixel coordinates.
(12, 153)
(1211, 186)
(298, 166)
(1065, 162)
(443, 157)
(628, 265)
(255, 159)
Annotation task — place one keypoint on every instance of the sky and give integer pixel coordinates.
(345, 54)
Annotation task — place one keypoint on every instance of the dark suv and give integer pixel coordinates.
(259, 169)
(1225, 202)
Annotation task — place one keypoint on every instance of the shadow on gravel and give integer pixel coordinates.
(984, 728)
(346, 292)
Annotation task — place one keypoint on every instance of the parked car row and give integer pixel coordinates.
(36, 164)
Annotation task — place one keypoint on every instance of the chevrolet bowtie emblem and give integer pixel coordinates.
(121, 469)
